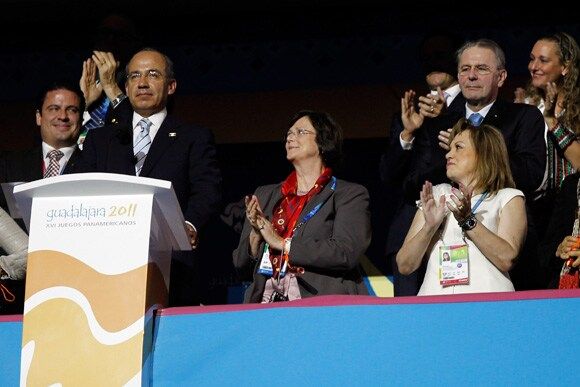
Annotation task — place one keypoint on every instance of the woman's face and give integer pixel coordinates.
(544, 65)
(461, 159)
(301, 141)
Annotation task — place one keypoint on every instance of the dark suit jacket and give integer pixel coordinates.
(183, 154)
(523, 129)
(27, 166)
(328, 246)
(396, 163)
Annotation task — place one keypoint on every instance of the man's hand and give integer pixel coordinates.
(107, 66)
(412, 120)
(432, 105)
(443, 137)
(88, 83)
(192, 234)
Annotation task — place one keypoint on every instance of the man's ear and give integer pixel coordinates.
(38, 118)
(171, 87)
(502, 77)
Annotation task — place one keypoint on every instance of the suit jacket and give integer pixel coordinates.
(27, 165)
(396, 163)
(122, 113)
(183, 154)
(328, 246)
(523, 129)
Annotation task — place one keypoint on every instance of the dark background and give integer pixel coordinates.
(244, 68)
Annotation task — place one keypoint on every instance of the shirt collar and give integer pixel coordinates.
(482, 111)
(67, 151)
(156, 121)
(453, 92)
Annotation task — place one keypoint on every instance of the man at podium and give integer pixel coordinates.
(155, 144)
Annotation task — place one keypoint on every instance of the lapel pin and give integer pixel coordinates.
(172, 134)
(114, 121)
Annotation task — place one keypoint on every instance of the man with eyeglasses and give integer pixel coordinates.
(444, 98)
(153, 143)
(481, 73)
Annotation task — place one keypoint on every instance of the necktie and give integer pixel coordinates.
(98, 115)
(53, 168)
(475, 119)
(142, 144)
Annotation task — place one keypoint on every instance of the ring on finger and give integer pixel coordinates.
(432, 108)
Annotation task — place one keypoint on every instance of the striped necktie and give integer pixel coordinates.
(98, 115)
(53, 168)
(142, 144)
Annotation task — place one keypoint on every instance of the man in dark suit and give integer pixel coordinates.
(481, 72)
(58, 114)
(154, 144)
(397, 163)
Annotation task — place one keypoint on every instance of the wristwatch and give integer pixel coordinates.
(468, 223)
(117, 101)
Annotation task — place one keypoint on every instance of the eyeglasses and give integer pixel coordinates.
(152, 75)
(479, 69)
(298, 133)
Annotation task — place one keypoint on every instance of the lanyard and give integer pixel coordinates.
(481, 199)
(315, 209)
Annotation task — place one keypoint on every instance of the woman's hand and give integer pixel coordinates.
(569, 247)
(269, 234)
(433, 211)
(551, 99)
(253, 211)
(461, 207)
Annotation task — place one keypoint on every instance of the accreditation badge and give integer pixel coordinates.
(265, 264)
(454, 265)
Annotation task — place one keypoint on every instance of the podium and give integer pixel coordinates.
(98, 266)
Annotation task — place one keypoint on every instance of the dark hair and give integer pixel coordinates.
(59, 85)
(328, 136)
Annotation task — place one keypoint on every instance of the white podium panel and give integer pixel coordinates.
(98, 266)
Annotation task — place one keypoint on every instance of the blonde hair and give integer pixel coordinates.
(492, 168)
